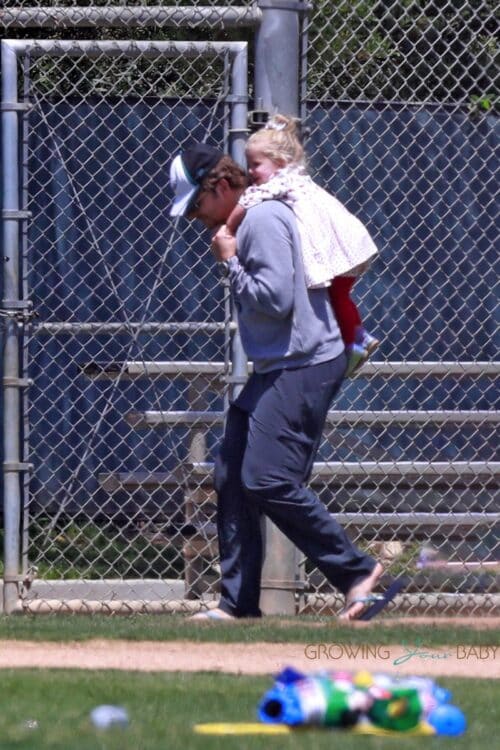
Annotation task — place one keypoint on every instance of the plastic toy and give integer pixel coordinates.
(318, 700)
(380, 701)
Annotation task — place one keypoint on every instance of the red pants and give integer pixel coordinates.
(345, 310)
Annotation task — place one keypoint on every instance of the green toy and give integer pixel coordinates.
(399, 709)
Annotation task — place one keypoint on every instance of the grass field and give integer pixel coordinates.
(270, 629)
(163, 709)
(44, 709)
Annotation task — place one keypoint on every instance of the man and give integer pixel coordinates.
(274, 427)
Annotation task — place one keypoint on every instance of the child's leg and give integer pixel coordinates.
(345, 310)
(358, 342)
(235, 218)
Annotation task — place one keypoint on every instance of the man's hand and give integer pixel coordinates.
(223, 244)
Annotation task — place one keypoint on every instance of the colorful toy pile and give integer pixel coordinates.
(373, 703)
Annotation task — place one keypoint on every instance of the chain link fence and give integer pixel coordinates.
(128, 354)
(400, 109)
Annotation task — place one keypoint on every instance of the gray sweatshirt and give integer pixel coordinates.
(282, 323)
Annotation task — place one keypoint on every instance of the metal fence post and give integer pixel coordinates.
(277, 89)
(12, 306)
(237, 139)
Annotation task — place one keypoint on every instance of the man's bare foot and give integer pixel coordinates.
(361, 595)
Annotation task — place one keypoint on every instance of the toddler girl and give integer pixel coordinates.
(336, 247)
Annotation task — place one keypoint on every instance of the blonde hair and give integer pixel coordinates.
(279, 141)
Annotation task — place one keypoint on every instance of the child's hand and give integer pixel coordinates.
(223, 244)
(235, 218)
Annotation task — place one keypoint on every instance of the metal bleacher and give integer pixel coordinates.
(195, 476)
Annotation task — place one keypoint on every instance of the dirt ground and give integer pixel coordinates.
(264, 658)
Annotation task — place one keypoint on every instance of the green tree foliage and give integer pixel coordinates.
(442, 51)
(406, 50)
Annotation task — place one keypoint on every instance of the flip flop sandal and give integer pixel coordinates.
(370, 599)
(376, 602)
(216, 615)
(397, 585)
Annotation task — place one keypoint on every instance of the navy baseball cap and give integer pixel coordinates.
(187, 172)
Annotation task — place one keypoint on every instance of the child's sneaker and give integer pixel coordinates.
(368, 342)
(356, 355)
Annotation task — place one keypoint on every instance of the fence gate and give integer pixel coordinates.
(128, 340)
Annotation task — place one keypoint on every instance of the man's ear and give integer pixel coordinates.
(222, 186)
(225, 192)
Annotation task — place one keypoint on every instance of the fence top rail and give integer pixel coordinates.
(129, 48)
(118, 16)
